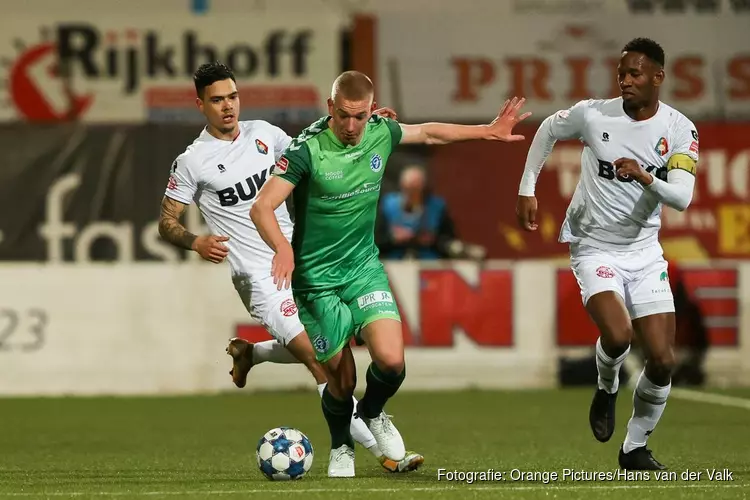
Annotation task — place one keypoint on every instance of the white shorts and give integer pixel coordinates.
(638, 276)
(272, 308)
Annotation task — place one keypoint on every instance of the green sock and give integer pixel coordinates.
(381, 386)
(338, 414)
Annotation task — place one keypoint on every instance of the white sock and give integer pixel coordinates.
(608, 368)
(359, 430)
(362, 434)
(273, 352)
(649, 401)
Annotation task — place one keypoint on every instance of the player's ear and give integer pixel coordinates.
(658, 77)
(199, 103)
(330, 106)
(373, 106)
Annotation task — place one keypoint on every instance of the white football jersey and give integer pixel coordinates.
(223, 179)
(607, 211)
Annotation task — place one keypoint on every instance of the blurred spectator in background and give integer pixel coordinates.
(414, 223)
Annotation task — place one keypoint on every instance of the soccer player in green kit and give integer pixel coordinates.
(334, 169)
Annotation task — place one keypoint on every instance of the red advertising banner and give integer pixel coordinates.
(479, 181)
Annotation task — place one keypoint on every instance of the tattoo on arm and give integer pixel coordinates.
(169, 224)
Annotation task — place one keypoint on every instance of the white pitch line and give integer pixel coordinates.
(635, 367)
(535, 487)
(711, 398)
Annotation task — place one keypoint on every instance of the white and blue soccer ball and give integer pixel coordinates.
(284, 453)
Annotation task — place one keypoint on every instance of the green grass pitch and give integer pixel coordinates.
(204, 447)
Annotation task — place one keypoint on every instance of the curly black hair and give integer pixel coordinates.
(210, 73)
(647, 47)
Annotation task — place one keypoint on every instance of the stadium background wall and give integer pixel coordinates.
(84, 272)
(86, 141)
(158, 328)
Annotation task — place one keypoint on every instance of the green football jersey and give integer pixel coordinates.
(335, 200)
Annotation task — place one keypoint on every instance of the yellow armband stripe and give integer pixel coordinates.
(681, 161)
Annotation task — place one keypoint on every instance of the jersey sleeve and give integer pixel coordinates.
(569, 123)
(295, 164)
(565, 124)
(181, 185)
(281, 141)
(392, 126)
(395, 130)
(684, 154)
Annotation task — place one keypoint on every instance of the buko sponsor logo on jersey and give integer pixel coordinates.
(367, 187)
(245, 191)
(607, 171)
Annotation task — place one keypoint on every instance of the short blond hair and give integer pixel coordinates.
(353, 86)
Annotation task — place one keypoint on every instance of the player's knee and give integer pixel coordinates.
(617, 342)
(622, 336)
(662, 363)
(391, 364)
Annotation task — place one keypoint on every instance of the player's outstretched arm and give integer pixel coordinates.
(501, 128)
(273, 193)
(209, 247)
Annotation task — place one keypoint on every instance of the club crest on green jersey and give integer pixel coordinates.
(376, 162)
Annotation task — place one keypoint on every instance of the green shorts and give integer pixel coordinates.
(333, 317)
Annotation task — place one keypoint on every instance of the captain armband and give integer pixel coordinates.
(682, 162)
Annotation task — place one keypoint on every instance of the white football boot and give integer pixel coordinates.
(389, 440)
(341, 462)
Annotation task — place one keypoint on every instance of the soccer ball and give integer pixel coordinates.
(284, 453)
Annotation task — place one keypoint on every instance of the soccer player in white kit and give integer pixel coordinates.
(639, 154)
(222, 172)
